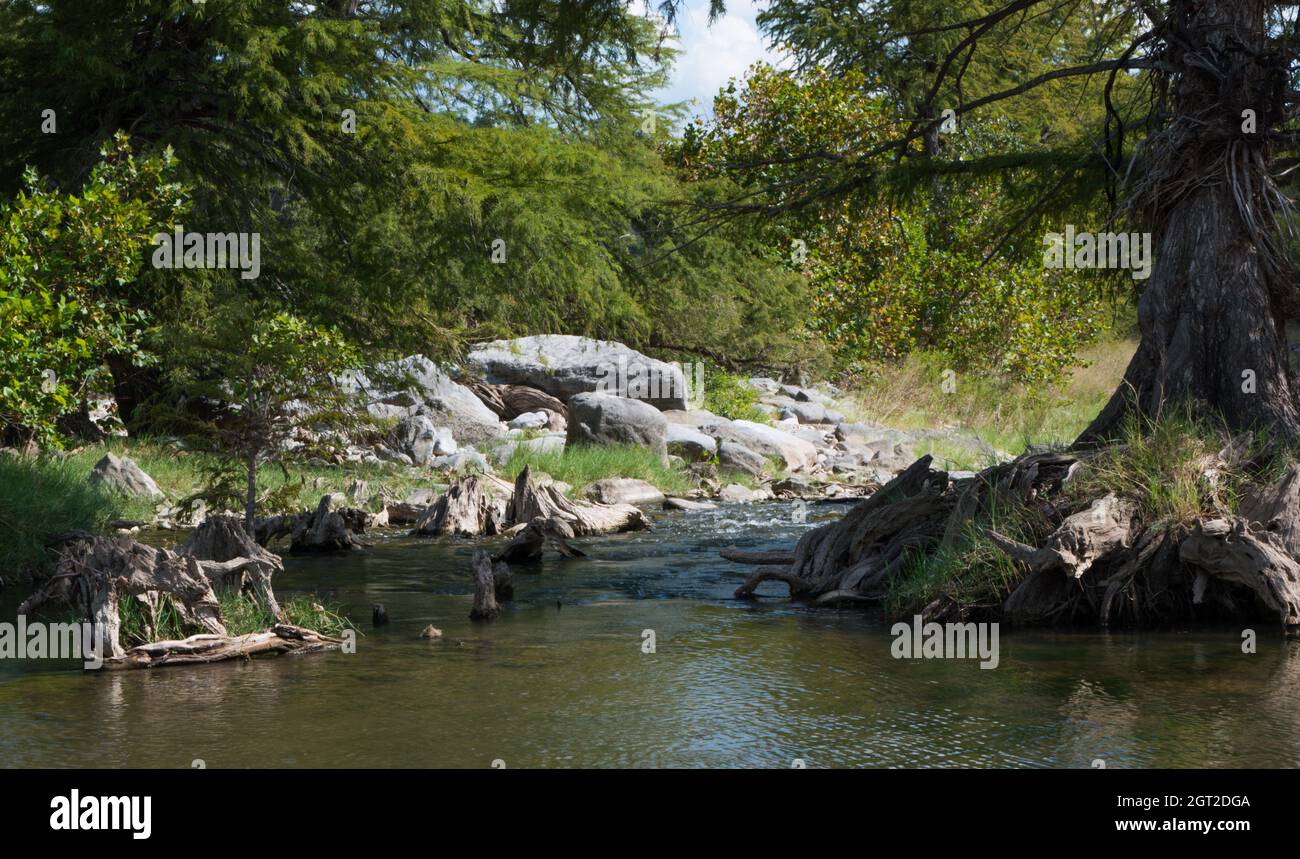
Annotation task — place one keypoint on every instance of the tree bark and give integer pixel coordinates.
(1213, 314)
(250, 498)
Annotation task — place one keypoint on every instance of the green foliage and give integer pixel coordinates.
(66, 261)
(889, 276)
(514, 126)
(271, 373)
(728, 396)
(41, 498)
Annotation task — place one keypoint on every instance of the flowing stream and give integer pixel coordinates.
(561, 679)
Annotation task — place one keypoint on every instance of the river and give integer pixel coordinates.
(561, 679)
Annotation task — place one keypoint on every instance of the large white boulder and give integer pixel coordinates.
(564, 365)
(416, 386)
(796, 453)
(605, 419)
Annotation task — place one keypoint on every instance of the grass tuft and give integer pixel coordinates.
(39, 499)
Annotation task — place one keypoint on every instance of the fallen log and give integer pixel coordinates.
(511, 401)
(206, 648)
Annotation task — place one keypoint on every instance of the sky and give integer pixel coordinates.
(713, 54)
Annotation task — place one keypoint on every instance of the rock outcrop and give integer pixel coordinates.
(564, 365)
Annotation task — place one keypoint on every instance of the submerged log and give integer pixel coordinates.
(742, 556)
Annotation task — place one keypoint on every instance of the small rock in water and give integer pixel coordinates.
(431, 632)
(687, 504)
(380, 616)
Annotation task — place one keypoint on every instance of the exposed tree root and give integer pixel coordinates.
(1098, 563)
(94, 576)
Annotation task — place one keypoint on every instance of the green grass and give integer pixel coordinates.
(39, 499)
(240, 614)
(971, 571)
(1006, 415)
(183, 474)
(581, 465)
(1161, 466)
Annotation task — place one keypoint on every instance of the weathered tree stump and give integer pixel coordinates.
(94, 575)
(490, 583)
(532, 501)
(324, 531)
(469, 508)
(531, 539)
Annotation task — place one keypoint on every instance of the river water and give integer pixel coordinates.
(561, 679)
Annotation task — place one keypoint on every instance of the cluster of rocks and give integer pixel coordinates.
(551, 391)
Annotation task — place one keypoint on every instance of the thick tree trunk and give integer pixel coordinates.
(250, 498)
(1213, 314)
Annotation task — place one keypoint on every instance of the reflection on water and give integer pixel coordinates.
(560, 679)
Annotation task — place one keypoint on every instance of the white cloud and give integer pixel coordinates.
(711, 55)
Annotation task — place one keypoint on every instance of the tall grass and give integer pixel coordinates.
(1009, 416)
(39, 499)
(1162, 466)
(581, 465)
(971, 571)
(240, 614)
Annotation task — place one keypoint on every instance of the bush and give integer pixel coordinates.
(728, 396)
